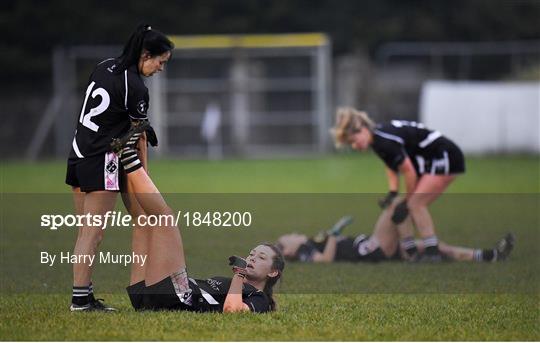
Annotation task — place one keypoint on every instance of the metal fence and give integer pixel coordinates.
(243, 95)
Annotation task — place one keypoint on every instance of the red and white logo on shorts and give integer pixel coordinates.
(111, 172)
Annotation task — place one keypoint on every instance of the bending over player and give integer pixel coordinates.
(428, 161)
(382, 244)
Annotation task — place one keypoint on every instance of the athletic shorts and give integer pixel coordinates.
(444, 158)
(157, 297)
(367, 249)
(363, 248)
(96, 173)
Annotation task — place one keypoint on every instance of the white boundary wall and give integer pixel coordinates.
(484, 117)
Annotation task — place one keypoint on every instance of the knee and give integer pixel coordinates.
(416, 203)
(98, 238)
(133, 207)
(141, 235)
(168, 211)
(396, 201)
(91, 237)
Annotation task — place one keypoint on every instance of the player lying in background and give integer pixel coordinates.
(381, 245)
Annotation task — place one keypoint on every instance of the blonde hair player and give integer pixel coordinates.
(428, 162)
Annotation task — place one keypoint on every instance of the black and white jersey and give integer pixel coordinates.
(209, 295)
(112, 98)
(398, 139)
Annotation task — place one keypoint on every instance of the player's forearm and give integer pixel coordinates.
(233, 300)
(410, 181)
(409, 176)
(329, 252)
(143, 151)
(393, 180)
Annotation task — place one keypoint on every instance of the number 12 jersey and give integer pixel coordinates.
(113, 98)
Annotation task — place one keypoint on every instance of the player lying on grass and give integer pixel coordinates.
(249, 289)
(381, 245)
(428, 161)
(163, 283)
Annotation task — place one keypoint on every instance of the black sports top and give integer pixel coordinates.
(112, 98)
(209, 295)
(396, 140)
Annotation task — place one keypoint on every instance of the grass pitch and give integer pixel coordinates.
(387, 301)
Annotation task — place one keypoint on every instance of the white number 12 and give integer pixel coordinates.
(85, 119)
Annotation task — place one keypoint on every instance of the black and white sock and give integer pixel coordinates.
(409, 245)
(80, 295)
(130, 159)
(180, 282)
(431, 245)
(486, 255)
(91, 292)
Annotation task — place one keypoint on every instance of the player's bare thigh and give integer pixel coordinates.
(78, 200)
(429, 188)
(385, 231)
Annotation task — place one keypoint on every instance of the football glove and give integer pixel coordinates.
(387, 200)
(151, 136)
(130, 139)
(400, 213)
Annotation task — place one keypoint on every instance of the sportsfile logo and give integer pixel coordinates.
(108, 220)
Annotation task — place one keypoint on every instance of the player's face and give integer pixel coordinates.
(290, 244)
(360, 140)
(259, 263)
(153, 64)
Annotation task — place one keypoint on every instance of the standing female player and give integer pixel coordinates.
(428, 161)
(115, 98)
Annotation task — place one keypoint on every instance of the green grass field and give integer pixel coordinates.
(349, 173)
(387, 301)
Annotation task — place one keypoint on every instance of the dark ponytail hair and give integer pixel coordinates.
(278, 263)
(144, 38)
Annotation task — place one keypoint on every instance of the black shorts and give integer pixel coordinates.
(102, 172)
(365, 253)
(359, 249)
(158, 297)
(444, 158)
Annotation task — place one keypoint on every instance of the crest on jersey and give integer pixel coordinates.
(111, 167)
(111, 68)
(142, 107)
(214, 284)
(110, 172)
